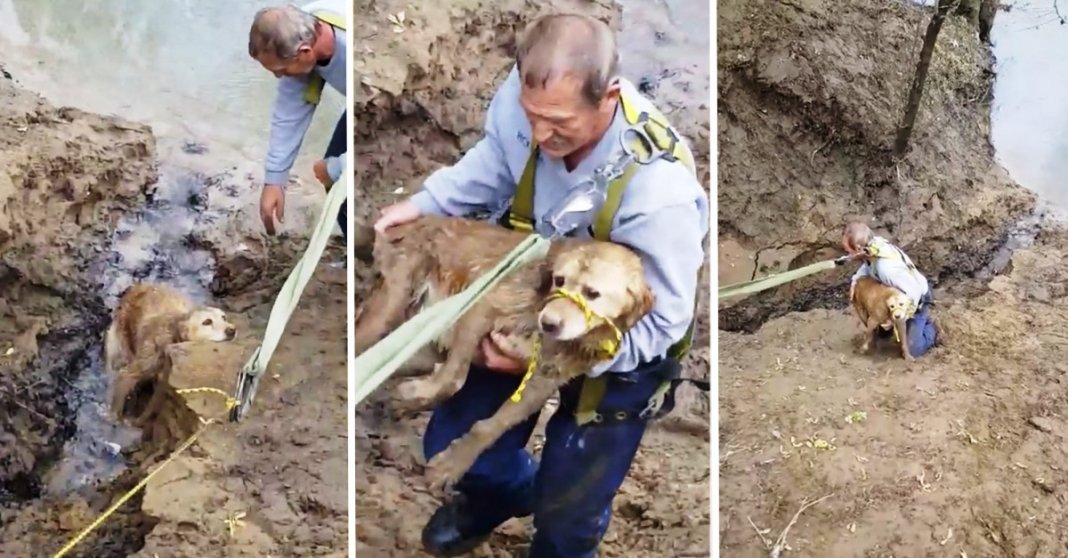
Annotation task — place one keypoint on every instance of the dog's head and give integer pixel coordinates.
(607, 278)
(899, 305)
(208, 324)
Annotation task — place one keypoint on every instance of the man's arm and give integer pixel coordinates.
(669, 242)
(289, 122)
(481, 178)
(863, 271)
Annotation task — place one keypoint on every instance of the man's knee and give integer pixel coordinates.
(922, 335)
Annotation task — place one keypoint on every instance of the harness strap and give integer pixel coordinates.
(314, 90)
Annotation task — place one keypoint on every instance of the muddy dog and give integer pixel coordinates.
(575, 304)
(148, 319)
(881, 306)
(425, 261)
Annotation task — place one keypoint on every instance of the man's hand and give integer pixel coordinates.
(321, 174)
(495, 359)
(396, 214)
(272, 206)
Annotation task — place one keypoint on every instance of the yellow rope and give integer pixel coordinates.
(230, 403)
(609, 346)
(532, 364)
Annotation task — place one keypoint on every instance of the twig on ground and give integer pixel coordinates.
(767, 543)
(780, 543)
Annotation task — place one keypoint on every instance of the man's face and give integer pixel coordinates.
(562, 120)
(300, 64)
(850, 248)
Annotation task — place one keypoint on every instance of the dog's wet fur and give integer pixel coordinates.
(427, 260)
(878, 306)
(149, 318)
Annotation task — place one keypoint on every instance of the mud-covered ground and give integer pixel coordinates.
(961, 453)
(421, 103)
(78, 195)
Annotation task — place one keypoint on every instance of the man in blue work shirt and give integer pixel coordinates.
(889, 265)
(304, 48)
(565, 96)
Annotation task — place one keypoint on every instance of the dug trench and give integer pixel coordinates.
(85, 210)
(420, 100)
(961, 453)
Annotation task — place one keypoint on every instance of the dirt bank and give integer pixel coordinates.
(810, 95)
(961, 453)
(420, 100)
(79, 196)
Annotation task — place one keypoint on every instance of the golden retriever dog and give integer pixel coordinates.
(881, 306)
(432, 258)
(148, 319)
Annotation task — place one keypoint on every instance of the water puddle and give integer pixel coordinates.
(675, 72)
(183, 68)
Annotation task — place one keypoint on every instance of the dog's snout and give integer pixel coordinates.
(549, 325)
(231, 332)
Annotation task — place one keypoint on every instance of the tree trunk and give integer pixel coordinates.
(912, 106)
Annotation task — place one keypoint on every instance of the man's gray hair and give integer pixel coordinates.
(858, 234)
(280, 31)
(555, 45)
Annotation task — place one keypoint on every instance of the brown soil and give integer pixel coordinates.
(420, 104)
(809, 99)
(68, 178)
(960, 454)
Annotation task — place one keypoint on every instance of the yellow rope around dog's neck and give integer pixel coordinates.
(609, 346)
(230, 403)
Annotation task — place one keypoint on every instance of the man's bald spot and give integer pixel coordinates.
(857, 234)
(556, 46)
(280, 30)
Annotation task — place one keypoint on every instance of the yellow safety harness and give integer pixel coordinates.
(314, 91)
(520, 216)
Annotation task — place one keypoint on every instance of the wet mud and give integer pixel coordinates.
(87, 208)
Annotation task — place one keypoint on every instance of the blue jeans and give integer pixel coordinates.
(922, 334)
(570, 493)
(337, 146)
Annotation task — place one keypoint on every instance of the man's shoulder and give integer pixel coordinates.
(661, 185)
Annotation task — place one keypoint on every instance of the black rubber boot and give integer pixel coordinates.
(453, 530)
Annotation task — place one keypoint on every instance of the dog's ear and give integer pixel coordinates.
(642, 301)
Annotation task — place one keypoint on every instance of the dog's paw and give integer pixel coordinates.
(416, 394)
(445, 470)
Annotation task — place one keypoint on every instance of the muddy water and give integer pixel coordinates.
(182, 67)
(665, 49)
(1029, 120)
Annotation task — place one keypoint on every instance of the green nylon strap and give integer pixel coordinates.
(289, 295)
(765, 283)
(379, 362)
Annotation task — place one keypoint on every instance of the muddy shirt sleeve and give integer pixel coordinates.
(289, 122)
(669, 239)
(481, 179)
